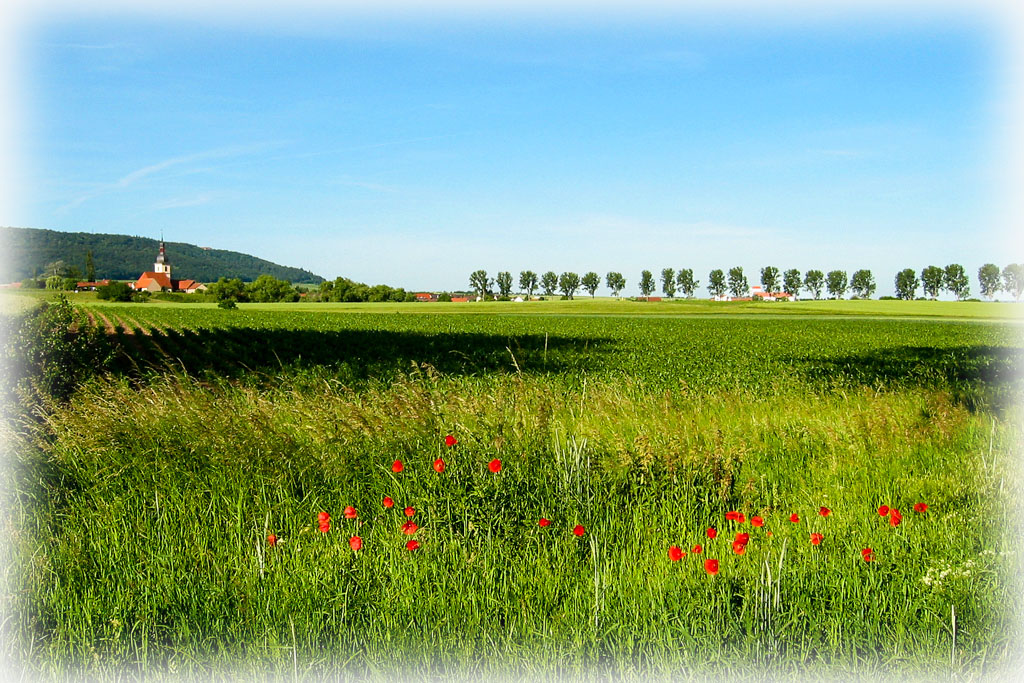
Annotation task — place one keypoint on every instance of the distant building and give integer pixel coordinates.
(159, 279)
(426, 296)
(91, 286)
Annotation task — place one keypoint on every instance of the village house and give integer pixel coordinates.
(159, 279)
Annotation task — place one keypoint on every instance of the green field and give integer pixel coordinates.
(138, 511)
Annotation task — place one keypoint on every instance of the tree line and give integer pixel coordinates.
(861, 285)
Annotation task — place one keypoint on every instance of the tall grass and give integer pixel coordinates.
(139, 516)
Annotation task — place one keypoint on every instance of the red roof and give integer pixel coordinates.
(161, 279)
(460, 299)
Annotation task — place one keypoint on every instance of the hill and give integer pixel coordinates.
(122, 257)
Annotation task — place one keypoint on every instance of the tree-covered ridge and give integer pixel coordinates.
(123, 257)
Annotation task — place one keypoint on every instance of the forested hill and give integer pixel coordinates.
(121, 257)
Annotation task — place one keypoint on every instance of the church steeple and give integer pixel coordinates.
(162, 265)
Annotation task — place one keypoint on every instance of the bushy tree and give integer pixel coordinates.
(615, 282)
(988, 278)
(668, 282)
(646, 283)
(115, 291)
(224, 289)
(685, 282)
(549, 282)
(568, 283)
(791, 282)
(479, 283)
(954, 279)
(1013, 279)
(837, 283)
(738, 284)
(814, 281)
(504, 281)
(906, 284)
(268, 289)
(55, 282)
(863, 284)
(716, 283)
(591, 281)
(770, 279)
(528, 282)
(931, 281)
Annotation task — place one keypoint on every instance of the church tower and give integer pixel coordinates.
(162, 265)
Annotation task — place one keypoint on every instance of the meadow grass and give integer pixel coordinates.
(137, 514)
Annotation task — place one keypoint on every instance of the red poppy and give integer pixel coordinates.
(413, 545)
(883, 511)
(450, 441)
(739, 548)
(743, 538)
(323, 517)
(543, 522)
(711, 566)
(816, 539)
(439, 465)
(410, 511)
(868, 554)
(920, 507)
(740, 517)
(271, 540)
(387, 502)
(409, 528)
(325, 526)
(712, 532)
(350, 512)
(794, 518)
(757, 521)
(824, 511)
(697, 549)
(397, 466)
(768, 533)
(895, 517)
(731, 516)
(494, 466)
(578, 530)
(355, 543)
(675, 553)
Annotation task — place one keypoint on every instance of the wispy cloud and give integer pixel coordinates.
(134, 177)
(180, 202)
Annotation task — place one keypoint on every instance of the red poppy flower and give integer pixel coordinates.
(397, 466)
(895, 517)
(816, 539)
(355, 543)
(712, 532)
(543, 522)
(325, 526)
(410, 511)
(824, 511)
(387, 502)
(450, 441)
(675, 553)
(794, 518)
(350, 512)
(743, 538)
(409, 528)
(412, 545)
(731, 516)
(711, 566)
(578, 530)
(883, 511)
(868, 554)
(740, 517)
(768, 533)
(920, 507)
(697, 549)
(757, 521)
(271, 540)
(439, 465)
(494, 466)
(739, 548)
(323, 517)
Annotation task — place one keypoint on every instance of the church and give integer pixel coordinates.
(159, 279)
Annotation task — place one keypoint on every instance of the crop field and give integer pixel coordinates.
(392, 491)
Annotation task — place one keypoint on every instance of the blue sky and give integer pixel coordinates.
(414, 152)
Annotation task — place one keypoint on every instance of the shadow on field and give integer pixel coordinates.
(975, 373)
(363, 354)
